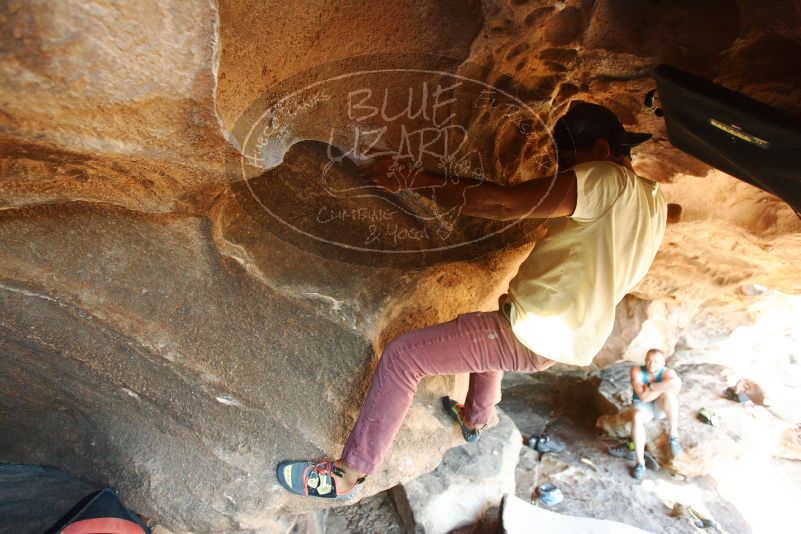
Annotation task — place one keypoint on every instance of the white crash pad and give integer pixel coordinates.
(520, 517)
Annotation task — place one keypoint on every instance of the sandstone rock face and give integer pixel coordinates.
(470, 480)
(165, 332)
(109, 103)
(163, 364)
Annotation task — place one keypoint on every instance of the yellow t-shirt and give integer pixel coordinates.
(564, 295)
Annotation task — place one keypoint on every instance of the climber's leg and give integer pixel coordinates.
(472, 343)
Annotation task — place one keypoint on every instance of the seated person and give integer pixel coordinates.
(656, 389)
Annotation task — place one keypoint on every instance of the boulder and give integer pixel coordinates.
(518, 516)
(168, 368)
(642, 324)
(375, 513)
(470, 480)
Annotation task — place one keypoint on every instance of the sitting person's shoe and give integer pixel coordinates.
(626, 450)
(650, 462)
(456, 411)
(623, 450)
(315, 480)
(674, 445)
(733, 394)
(542, 443)
(638, 472)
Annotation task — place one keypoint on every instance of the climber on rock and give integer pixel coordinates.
(605, 226)
(656, 389)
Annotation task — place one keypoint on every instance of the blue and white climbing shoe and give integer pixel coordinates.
(314, 480)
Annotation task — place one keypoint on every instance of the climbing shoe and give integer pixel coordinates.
(626, 450)
(638, 472)
(456, 411)
(674, 446)
(650, 461)
(543, 443)
(623, 450)
(732, 394)
(314, 480)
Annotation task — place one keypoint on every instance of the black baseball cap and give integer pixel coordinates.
(585, 122)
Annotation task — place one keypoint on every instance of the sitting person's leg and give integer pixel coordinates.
(668, 404)
(472, 343)
(642, 415)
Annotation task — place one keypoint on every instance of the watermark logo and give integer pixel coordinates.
(357, 160)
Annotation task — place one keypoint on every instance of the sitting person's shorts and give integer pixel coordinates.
(650, 408)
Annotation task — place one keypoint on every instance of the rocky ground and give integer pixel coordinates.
(374, 514)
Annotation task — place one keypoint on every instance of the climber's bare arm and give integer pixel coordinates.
(640, 389)
(538, 199)
(671, 383)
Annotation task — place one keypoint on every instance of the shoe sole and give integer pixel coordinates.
(286, 486)
(636, 477)
(279, 475)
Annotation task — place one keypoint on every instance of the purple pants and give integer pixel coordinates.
(481, 344)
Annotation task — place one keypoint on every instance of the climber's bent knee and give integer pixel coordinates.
(540, 363)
